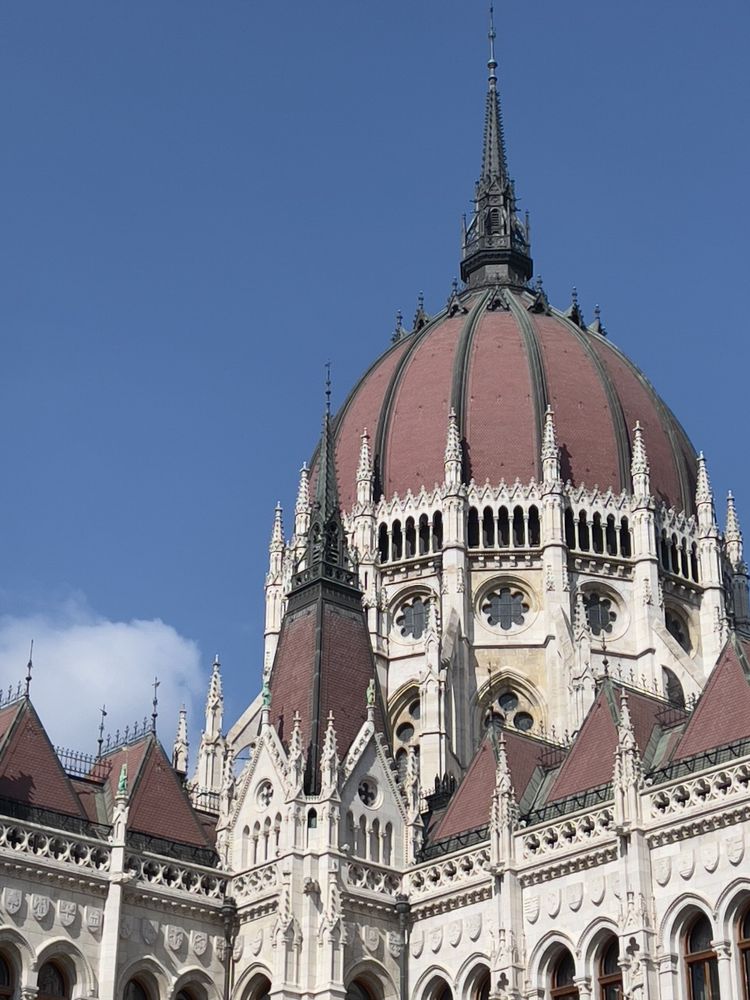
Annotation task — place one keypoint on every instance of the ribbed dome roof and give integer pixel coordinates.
(500, 360)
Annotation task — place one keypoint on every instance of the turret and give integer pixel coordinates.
(302, 508)
(628, 773)
(735, 558)
(208, 775)
(274, 587)
(504, 810)
(713, 604)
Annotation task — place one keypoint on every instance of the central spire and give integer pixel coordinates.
(496, 244)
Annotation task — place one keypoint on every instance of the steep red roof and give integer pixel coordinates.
(590, 761)
(722, 714)
(30, 771)
(470, 806)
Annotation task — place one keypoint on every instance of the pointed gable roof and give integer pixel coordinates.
(469, 808)
(590, 760)
(159, 805)
(30, 771)
(722, 714)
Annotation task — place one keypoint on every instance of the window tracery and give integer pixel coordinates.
(701, 960)
(563, 978)
(406, 733)
(510, 709)
(505, 607)
(412, 619)
(610, 974)
(599, 612)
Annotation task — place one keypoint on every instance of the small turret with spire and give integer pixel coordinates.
(496, 247)
(181, 746)
(453, 452)
(207, 781)
(550, 450)
(640, 473)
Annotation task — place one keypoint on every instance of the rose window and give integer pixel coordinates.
(506, 608)
(600, 613)
(367, 791)
(412, 620)
(510, 710)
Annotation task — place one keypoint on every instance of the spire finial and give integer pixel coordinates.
(155, 703)
(328, 388)
(29, 668)
(733, 534)
(550, 451)
(492, 64)
(100, 741)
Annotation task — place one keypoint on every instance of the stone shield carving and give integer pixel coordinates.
(552, 902)
(238, 947)
(256, 943)
(395, 945)
(175, 937)
(710, 857)
(454, 932)
(13, 900)
(531, 908)
(597, 889)
(663, 870)
(686, 863)
(149, 931)
(735, 849)
(474, 926)
(436, 939)
(94, 918)
(371, 939)
(574, 895)
(417, 944)
(39, 905)
(127, 925)
(200, 943)
(67, 912)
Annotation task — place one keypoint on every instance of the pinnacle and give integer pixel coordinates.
(703, 491)
(303, 490)
(364, 468)
(277, 534)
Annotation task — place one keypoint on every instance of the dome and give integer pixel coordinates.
(499, 357)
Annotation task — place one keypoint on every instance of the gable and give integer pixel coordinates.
(159, 806)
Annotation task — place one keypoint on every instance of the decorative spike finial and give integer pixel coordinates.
(100, 740)
(453, 452)
(733, 534)
(329, 761)
(550, 450)
(277, 533)
(640, 472)
(155, 704)
(181, 746)
(704, 498)
(398, 331)
(29, 669)
(328, 387)
(421, 319)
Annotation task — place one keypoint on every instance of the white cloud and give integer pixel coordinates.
(83, 661)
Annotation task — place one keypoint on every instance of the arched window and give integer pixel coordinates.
(534, 527)
(186, 994)
(583, 532)
(383, 543)
(702, 966)
(694, 562)
(437, 531)
(397, 542)
(7, 979)
(259, 988)
(610, 975)
(519, 528)
(411, 538)
(672, 687)
(482, 989)
(570, 529)
(488, 528)
(135, 990)
(597, 534)
(664, 549)
(677, 629)
(626, 549)
(52, 982)
(563, 976)
(674, 557)
(424, 535)
(743, 943)
(472, 529)
(503, 528)
(611, 536)
(358, 990)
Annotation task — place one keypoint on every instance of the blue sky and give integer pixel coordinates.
(202, 203)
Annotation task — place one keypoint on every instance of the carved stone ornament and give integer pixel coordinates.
(256, 943)
(474, 926)
(149, 930)
(531, 908)
(710, 857)
(127, 926)
(239, 944)
(39, 905)
(67, 911)
(13, 899)
(597, 889)
(395, 944)
(200, 943)
(220, 948)
(686, 863)
(735, 849)
(552, 902)
(417, 944)
(175, 937)
(94, 918)
(436, 939)
(454, 932)
(663, 870)
(574, 896)
(371, 937)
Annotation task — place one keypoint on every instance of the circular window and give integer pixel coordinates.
(368, 792)
(405, 732)
(508, 701)
(412, 619)
(600, 612)
(523, 721)
(505, 607)
(264, 795)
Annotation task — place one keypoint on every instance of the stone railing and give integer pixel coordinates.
(698, 792)
(451, 873)
(177, 876)
(360, 875)
(569, 834)
(26, 838)
(257, 882)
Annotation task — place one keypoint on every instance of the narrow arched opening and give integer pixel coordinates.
(53, 982)
(563, 985)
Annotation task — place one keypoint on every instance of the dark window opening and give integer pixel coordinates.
(505, 608)
(599, 613)
(472, 529)
(535, 533)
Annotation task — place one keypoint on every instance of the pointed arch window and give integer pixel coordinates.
(7, 979)
(610, 974)
(702, 964)
(52, 982)
(563, 978)
(743, 943)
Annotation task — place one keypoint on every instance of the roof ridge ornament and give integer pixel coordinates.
(574, 312)
(399, 332)
(597, 326)
(540, 302)
(498, 302)
(454, 304)
(421, 319)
